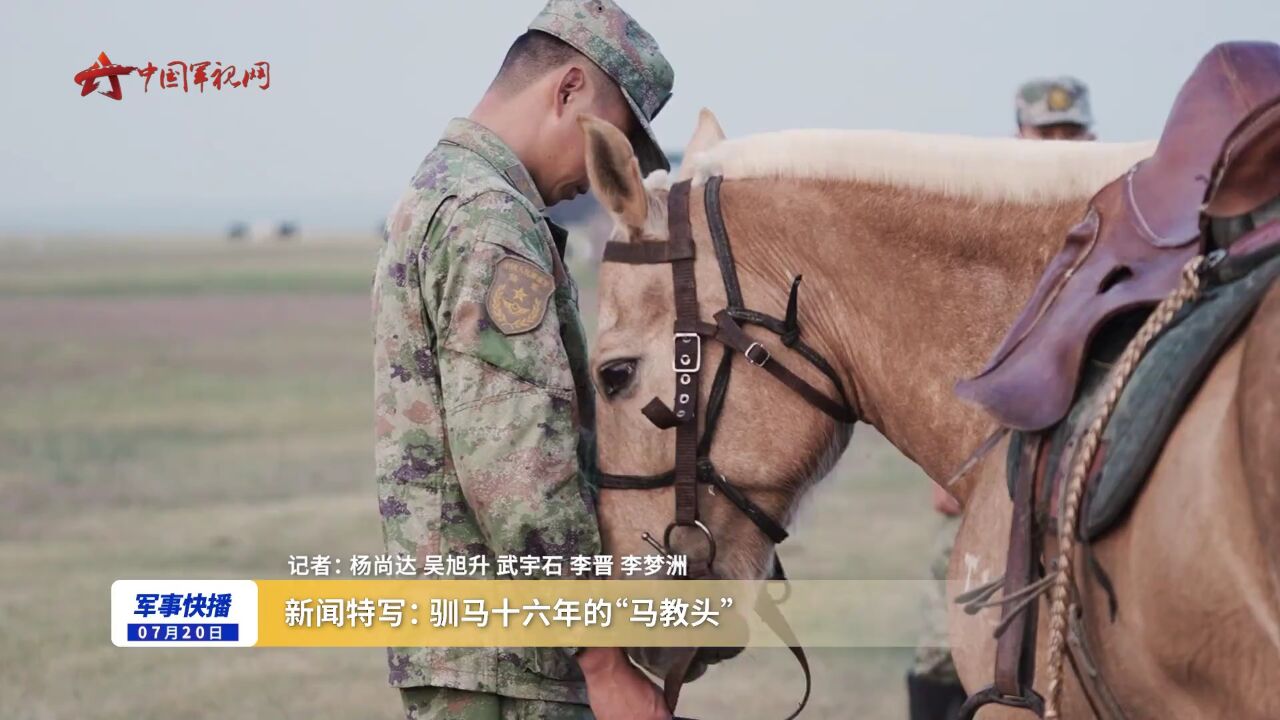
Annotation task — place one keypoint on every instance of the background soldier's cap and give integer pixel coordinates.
(1050, 101)
(607, 35)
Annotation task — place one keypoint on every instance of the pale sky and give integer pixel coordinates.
(361, 90)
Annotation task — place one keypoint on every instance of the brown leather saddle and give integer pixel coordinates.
(1216, 158)
(1217, 165)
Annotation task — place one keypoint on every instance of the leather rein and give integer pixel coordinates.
(693, 463)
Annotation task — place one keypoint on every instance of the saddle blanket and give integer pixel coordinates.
(1164, 382)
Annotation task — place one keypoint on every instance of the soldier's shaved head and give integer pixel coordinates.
(536, 53)
(532, 55)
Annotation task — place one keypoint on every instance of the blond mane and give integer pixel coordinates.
(984, 168)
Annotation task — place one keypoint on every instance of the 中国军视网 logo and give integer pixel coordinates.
(174, 75)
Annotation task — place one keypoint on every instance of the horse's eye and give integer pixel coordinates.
(616, 375)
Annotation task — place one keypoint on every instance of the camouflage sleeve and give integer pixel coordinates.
(508, 393)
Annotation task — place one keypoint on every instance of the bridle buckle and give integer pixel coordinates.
(682, 361)
(762, 354)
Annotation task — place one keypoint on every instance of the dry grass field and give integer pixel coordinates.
(203, 409)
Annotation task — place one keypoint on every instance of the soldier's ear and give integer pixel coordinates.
(614, 172)
(571, 83)
(707, 135)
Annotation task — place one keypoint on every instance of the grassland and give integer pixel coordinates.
(202, 409)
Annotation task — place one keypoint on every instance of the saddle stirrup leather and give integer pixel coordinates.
(1016, 644)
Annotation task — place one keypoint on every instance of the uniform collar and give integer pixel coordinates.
(483, 142)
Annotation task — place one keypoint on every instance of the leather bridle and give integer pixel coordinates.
(692, 454)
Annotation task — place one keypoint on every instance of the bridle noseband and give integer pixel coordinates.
(692, 457)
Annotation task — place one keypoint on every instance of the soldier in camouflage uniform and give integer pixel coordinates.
(482, 393)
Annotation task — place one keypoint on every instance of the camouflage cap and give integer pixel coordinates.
(1051, 101)
(607, 35)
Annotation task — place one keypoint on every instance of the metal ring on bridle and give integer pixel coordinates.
(706, 531)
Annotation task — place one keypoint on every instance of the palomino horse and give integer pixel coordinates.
(917, 252)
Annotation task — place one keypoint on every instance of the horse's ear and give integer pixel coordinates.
(614, 172)
(707, 135)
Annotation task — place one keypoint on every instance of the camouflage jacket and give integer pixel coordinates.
(481, 395)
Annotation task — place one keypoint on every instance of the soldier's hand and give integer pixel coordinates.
(617, 690)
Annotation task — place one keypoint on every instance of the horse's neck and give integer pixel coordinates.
(908, 291)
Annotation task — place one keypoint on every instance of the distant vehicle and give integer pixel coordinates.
(262, 231)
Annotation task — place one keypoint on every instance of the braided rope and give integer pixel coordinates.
(1187, 291)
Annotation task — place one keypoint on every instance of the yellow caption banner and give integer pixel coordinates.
(586, 613)
(495, 613)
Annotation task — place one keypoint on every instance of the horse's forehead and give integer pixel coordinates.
(632, 295)
(626, 286)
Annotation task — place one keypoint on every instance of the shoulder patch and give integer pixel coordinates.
(518, 295)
